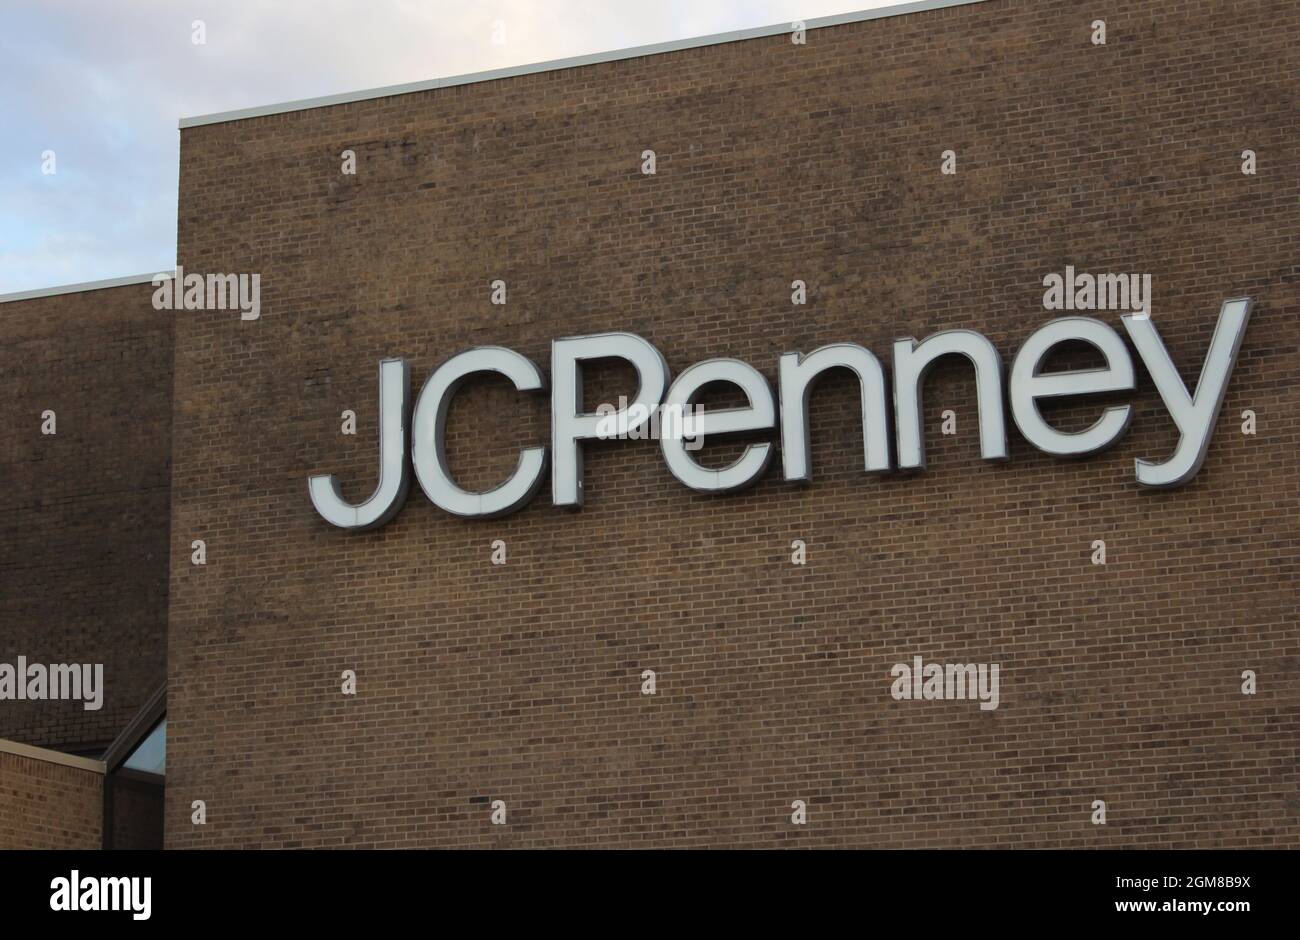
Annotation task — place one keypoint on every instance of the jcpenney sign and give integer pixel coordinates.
(425, 428)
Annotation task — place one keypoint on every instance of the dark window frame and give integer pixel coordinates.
(150, 715)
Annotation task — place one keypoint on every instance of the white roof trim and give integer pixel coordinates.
(50, 757)
(83, 286)
(575, 62)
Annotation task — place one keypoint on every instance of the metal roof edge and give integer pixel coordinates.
(83, 286)
(50, 757)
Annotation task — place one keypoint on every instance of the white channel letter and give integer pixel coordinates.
(429, 429)
(912, 361)
(570, 425)
(1195, 417)
(759, 414)
(796, 379)
(1029, 383)
(394, 471)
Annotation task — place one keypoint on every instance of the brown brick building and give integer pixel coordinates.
(49, 801)
(83, 553)
(775, 161)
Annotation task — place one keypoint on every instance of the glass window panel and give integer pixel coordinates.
(151, 754)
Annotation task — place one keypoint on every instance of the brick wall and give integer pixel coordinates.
(83, 534)
(137, 814)
(819, 162)
(48, 806)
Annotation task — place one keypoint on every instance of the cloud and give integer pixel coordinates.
(103, 84)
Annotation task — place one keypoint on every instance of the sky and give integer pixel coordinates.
(92, 90)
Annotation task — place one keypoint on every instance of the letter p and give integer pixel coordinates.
(570, 424)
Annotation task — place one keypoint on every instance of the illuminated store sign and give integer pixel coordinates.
(1193, 413)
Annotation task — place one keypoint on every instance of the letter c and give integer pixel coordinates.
(429, 430)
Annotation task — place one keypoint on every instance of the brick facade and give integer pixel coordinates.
(48, 806)
(775, 162)
(83, 538)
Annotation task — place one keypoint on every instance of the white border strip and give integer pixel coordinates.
(575, 62)
(50, 757)
(84, 286)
